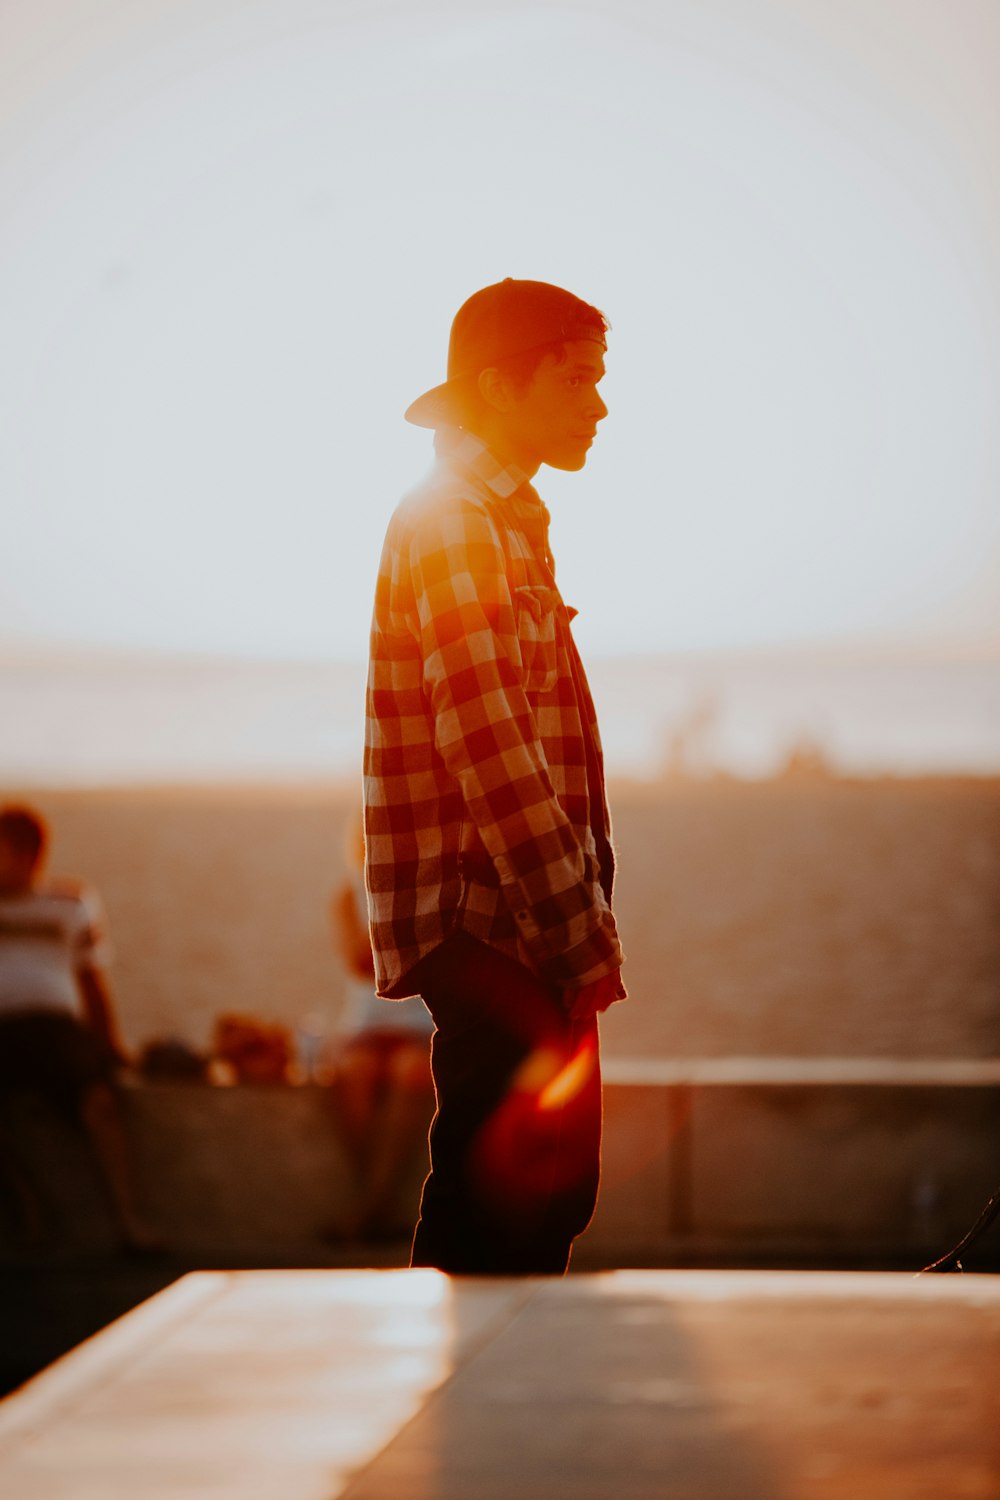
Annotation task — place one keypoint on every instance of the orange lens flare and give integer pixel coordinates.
(529, 1148)
(569, 1081)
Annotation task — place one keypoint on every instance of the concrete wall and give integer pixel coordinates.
(738, 1161)
(847, 1162)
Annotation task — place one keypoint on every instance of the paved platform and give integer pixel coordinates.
(626, 1385)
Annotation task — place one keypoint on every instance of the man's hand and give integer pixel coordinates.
(592, 998)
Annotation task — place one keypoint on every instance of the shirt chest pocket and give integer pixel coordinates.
(535, 608)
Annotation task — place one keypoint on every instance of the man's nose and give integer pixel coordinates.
(598, 410)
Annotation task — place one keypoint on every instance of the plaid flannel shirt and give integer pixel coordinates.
(480, 815)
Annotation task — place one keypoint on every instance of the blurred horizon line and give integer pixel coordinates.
(289, 786)
(887, 651)
(83, 717)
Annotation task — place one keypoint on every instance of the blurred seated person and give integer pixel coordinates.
(252, 1051)
(58, 1032)
(382, 1082)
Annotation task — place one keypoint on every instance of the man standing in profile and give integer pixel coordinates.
(489, 864)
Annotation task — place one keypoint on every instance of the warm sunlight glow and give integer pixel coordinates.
(213, 323)
(417, 1290)
(234, 239)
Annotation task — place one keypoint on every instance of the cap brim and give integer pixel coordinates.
(440, 407)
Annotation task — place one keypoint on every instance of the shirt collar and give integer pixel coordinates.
(466, 451)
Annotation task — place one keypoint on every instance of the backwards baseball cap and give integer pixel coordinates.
(509, 318)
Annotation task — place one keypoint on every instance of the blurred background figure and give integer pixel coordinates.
(383, 1091)
(251, 1050)
(58, 1032)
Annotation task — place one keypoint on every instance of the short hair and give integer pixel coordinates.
(25, 831)
(520, 369)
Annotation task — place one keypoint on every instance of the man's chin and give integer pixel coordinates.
(570, 460)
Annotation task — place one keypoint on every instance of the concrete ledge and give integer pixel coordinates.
(791, 1160)
(756, 1171)
(833, 1072)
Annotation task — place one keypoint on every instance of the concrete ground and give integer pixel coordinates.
(636, 1385)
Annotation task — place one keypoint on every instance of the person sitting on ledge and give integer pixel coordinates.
(382, 1086)
(58, 1032)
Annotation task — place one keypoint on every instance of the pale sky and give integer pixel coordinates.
(233, 234)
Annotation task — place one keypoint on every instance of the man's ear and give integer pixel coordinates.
(494, 389)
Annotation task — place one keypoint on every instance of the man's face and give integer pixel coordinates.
(554, 420)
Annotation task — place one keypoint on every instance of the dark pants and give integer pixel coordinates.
(516, 1139)
(51, 1053)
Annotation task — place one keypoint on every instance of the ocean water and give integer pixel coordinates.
(67, 722)
(759, 915)
(792, 917)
